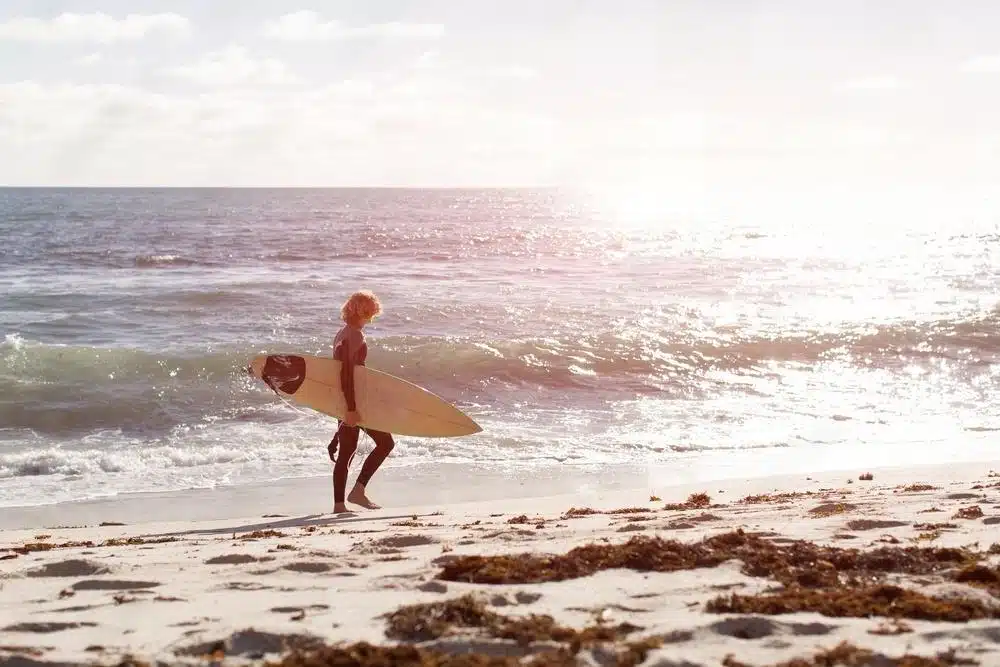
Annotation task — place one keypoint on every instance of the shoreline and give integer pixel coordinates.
(253, 586)
(400, 487)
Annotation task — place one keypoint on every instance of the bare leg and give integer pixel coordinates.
(348, 441)
(358, 497)
(383, 446)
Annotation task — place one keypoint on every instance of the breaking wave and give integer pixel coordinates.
(64, 389)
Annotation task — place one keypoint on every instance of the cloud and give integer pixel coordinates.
(514, 72)
(233, 66)
(982, 64)
(89, 59)
(427, 60)
(433, 60)
(96, 27)
(351, 132)
(872, 83)
(304, 26)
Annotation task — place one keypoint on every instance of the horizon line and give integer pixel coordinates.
(284, 187)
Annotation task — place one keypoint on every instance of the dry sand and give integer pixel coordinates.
(754, 572)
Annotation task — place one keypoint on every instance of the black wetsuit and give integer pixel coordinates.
(351, 349)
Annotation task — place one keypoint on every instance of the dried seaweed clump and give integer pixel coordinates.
(916, 488)
(830, 509)
(261, 534)
(798, 562)
(576, 512)
(522, 519)
(786, 497)
(980, 575)
(30, 547)
(854, 602)
(827, 580)
(891, 627)
(363, 654)
(872, 524)
(629, 510)
(469, 614)
(846, 654)
(131, 541)
(972, 512)
(934, 526)
(696, 501)
(639, 553)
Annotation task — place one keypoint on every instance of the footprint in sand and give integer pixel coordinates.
(23, 653)
(519, 598)
(245, 586)
(394, 544)
(295, 610)
(253, 644)
(236, 559)
(191, 623)
(305, 566)
(873, 524)
(48, 627)
(758, 627)
(68, 568)
(830, 509)
(635, 527)
(113, 585)
(433, 587)
(76, 608)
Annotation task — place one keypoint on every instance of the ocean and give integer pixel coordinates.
(578, 337)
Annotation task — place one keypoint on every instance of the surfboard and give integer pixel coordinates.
(385, 402)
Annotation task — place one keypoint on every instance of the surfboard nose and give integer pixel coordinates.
(256, 365)
(471, 424)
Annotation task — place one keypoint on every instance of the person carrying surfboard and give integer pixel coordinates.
(351, 348)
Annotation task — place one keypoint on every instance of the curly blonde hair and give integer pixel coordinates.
(359, 306)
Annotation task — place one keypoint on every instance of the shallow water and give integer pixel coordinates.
(573, 335)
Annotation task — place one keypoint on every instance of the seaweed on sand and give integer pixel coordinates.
(799, 562)
(846, 654)
(854, 602)
(433, 620)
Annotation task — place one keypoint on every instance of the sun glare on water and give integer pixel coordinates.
(651, 197)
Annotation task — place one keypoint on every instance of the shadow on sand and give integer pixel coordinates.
(293, 522)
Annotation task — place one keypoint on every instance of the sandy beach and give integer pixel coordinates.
(827, 569)
(713, 286)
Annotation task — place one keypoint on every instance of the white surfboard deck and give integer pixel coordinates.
(385, 402)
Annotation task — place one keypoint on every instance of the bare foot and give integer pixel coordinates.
(340, 508)
(358, 497)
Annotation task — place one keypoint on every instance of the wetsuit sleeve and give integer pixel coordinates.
(349, 352)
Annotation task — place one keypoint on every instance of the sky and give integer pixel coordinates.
(688, 99)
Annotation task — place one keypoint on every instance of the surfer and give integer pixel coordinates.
(351, 349)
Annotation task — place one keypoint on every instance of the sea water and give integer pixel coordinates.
(580, 339)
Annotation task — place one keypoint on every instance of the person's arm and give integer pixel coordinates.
(348, 361)
(347, 378)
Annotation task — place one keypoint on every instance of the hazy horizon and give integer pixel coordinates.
(713, 108)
